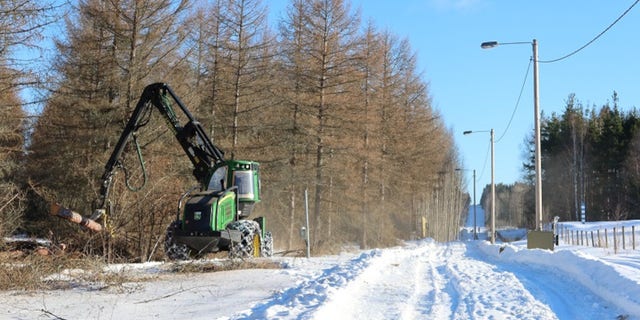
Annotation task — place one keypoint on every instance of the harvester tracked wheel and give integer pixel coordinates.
(250, 242)
(173, 250)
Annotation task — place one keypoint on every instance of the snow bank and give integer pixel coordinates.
(600, 276)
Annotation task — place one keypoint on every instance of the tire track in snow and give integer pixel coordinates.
(432, 281)
(489, 293)
(389, 287)
(423, 288)
(299, 301)
(434, 302)
(464, 288)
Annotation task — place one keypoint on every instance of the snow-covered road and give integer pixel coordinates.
(431, 282)
(427, 280)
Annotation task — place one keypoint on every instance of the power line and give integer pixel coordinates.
(484, 165)
(594, 39)
(524, 82)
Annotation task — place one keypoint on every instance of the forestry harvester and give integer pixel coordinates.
(213, 218)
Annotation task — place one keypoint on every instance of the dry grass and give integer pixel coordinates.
(205, 266)
(35, 272)
(21, 271)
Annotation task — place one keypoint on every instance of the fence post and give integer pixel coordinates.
(615, 243)
(581, 238)
(569, 234)
(633, 237)
(623, 245)
(593, 243)
(606, 239)
(599, 240)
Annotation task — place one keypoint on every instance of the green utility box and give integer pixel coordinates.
(540, 240)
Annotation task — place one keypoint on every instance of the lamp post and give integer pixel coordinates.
(475, 223)
(536, 107)
(493, 185)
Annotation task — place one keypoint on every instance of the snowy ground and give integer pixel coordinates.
(419, 280)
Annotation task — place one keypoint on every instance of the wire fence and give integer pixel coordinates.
(620, 238)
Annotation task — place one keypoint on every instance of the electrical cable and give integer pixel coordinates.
(594, 39)
(524, 82)
(484, 165)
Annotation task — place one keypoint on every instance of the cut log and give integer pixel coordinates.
(62, 212)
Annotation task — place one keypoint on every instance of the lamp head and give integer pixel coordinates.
(489, 44)
(467, 132)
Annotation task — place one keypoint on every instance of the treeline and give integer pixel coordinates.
(324, 102)
(514, 203)
(590, 159)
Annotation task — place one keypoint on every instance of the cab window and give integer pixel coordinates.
(244, 181)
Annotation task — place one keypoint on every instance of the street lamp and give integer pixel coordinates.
(475, 223)
(493, 185)
(536, 107)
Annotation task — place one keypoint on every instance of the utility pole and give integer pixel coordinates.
(493, 185)
(475, 216)
(536, 110)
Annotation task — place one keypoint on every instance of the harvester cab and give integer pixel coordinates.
(242, 174)
(212, 219)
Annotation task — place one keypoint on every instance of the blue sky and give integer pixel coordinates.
(476, 89)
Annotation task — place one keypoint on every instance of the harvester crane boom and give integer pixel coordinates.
(204, 155)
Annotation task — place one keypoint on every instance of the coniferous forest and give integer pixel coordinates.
(324, 102)
(590, 158)
(589, 161)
